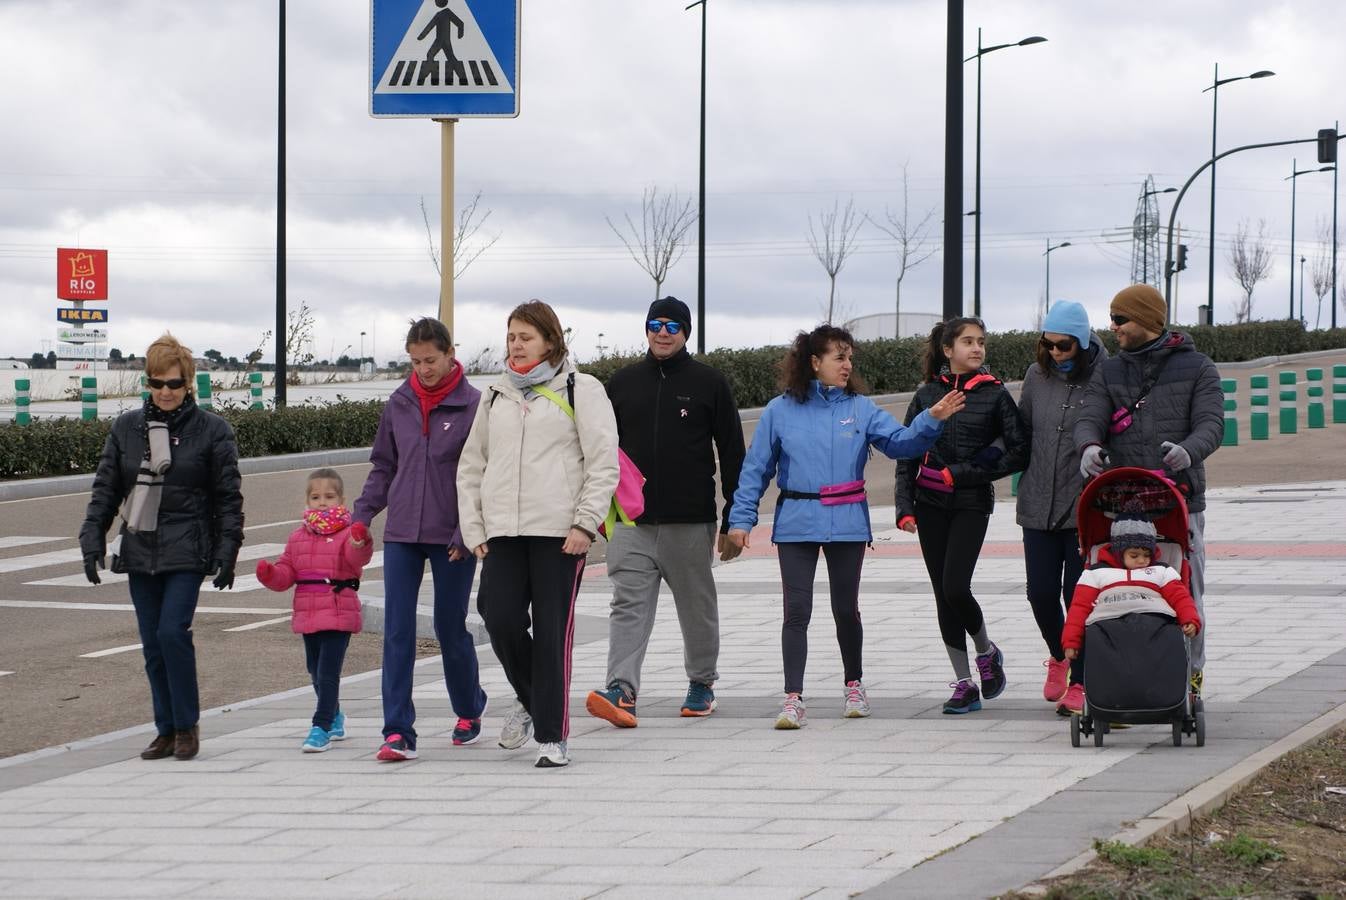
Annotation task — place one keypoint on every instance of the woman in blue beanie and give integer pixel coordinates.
(1049, 488)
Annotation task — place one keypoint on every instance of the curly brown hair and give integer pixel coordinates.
(796, 368)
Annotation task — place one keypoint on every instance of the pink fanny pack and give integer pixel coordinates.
(932, 480)
(839, 494)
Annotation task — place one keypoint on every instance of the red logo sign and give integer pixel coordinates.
(81, 274)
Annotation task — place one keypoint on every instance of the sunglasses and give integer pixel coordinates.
(1064, 346)
(1119, 320)
(653, 326)
(173, 384)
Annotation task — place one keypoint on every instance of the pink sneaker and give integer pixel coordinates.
(1058, 673)
(1073, 702)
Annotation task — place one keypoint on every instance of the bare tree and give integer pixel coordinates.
(465, 252)
(1250, 262)
(660, 241)
(912, 241)
(1320, 277)
(832, 241)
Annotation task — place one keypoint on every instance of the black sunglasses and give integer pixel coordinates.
(654, 325)
(173, 384)
(1064, 346)
(1119, 320)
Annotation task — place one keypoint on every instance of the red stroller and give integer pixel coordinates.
(1137, 668)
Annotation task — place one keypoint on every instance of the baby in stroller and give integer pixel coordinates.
(1128, 579)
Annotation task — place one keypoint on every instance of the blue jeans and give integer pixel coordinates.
(1053, 565)
(165, 605)
(324, 652)
(403, 569)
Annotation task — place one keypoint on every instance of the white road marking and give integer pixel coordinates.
(262, 624)
(110, 652)
(3, 674)
(126, 607)
(254, 551)
(22, 540)
(51, 558)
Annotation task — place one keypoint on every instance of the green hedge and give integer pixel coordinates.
(67, 446)
(61, 446)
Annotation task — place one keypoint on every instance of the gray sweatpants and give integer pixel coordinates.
(1196, 542)
(639, 558)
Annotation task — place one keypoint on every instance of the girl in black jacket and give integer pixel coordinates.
(171, 470)
(946, 498)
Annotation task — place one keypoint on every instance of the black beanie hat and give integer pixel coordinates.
(671, 308)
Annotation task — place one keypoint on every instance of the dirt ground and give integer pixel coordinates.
(1283, 836)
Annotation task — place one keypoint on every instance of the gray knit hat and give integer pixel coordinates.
(1133, 531)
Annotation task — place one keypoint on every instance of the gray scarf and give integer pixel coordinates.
(141, 509)
(542, 373)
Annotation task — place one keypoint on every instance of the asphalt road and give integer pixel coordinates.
(52, 691)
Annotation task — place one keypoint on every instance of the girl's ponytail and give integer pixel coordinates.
(934, 353)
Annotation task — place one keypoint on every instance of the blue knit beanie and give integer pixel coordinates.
(1069, 317)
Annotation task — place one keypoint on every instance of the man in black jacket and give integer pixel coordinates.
(1158, 405)
(670, 408)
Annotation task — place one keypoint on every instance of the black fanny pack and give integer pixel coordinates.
(336, 584)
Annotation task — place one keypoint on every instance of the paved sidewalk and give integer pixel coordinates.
(907, 803)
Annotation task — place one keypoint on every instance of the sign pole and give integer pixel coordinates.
(446, 226)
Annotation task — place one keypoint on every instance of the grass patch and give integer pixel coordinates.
(1249, 850)
(1129, 857)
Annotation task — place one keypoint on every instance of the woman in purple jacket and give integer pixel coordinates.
(415, 458)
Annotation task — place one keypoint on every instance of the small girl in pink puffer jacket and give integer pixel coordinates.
(322, 560)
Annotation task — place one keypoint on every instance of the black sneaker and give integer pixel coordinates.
(395, 749)
(966, 698)
(467, 731)
(991, 668)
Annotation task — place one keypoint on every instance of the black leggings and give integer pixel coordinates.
(798, 562)
(1053, 565)
(951, 541)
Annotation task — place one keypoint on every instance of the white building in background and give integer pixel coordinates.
(880, 325)
(13, 364)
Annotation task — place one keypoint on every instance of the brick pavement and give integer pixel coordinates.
(906, 803)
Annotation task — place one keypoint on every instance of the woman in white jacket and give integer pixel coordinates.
(534, 482)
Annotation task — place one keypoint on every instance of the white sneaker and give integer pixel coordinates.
(857, 701)
(518, 728)
(792, 714)
(552, 756)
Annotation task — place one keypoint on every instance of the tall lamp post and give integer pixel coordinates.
(976, 233)
(1293, 178)
(1302, 260)
(361, 366)
(1048, 254)
(1214, 120)
(1145, 248)
(701, 199)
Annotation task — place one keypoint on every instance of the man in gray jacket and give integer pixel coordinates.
(1158, 405)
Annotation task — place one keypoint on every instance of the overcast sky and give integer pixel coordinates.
(149, 128)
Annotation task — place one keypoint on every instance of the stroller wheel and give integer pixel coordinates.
(1200, 727)
(1074, 731)
(1177, 734)
(1099, 728)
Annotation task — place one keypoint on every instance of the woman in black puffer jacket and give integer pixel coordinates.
(171, 470)
(946, 498)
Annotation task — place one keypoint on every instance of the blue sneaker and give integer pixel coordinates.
(966, 698)
(991, 668)
(700, 700)
(613, 704)
(318, 741)
(338, 730)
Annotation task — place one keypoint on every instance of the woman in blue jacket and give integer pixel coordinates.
(815, 439)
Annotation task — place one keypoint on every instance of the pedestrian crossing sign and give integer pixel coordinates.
(444, 58)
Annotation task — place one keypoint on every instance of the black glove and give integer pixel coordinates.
(225, 577)
(92, 563)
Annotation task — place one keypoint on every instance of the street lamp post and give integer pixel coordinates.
(360, 367)
(1293, 178)
(976, 233)
(1048, 254)
(1214, 113)
(1145, 247)
(701, 199)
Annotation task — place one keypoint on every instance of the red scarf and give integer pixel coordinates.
(430, 397)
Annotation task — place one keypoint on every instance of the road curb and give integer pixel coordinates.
(1177, 815)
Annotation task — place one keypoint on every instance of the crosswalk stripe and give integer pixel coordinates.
(109, 652)
(262, 624)
(23, 540)
(51, 558)
(252, 551)
(126, 607)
